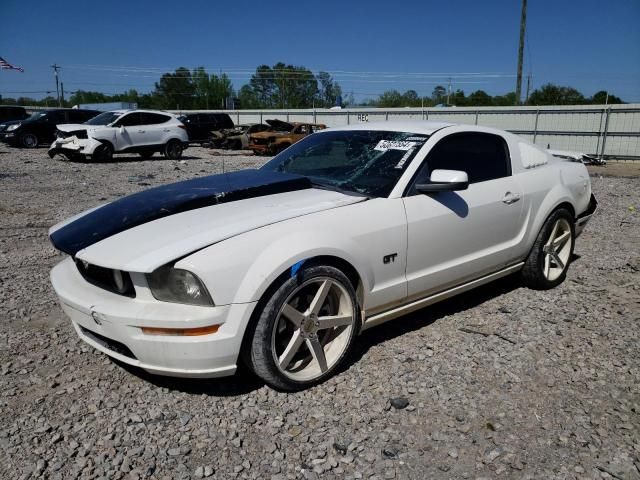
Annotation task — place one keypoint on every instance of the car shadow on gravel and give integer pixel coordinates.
(429, 315)
(239, 384)
(244, 381)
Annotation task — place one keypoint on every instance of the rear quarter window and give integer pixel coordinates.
(154, 118)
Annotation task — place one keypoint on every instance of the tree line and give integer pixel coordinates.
(290, 86)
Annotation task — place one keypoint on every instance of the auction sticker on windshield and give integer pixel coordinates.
(384, 145)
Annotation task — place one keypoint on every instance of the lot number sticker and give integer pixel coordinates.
(384, 145)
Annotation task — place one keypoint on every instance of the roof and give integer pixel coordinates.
(413, 126)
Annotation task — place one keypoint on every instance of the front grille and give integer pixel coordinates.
(112, 345)
(104, 278)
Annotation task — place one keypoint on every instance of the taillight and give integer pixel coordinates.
(182, 127)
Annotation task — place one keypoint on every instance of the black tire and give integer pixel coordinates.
(146, 155)
(103, 153)
(258, 352)
(173, 149)
(533, 272)
(29, 140)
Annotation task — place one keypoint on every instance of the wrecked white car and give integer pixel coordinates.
(284, 266)
(122, 131)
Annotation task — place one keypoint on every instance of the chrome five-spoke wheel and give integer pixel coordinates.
(557, 250)
(305, 329)
(548, 261)
(313, 329)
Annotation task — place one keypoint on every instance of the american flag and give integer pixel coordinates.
(4, 65)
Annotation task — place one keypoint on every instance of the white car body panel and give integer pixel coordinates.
(151, 245)
(441, 245)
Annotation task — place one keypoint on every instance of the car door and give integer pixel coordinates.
(457, 236)
(129, 132)
(155, 128)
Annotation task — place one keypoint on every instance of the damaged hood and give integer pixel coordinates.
(149, 229)
(73, 127)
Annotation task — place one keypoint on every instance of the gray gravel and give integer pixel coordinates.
(549, 388)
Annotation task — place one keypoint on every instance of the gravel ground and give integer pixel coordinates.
(502, 382)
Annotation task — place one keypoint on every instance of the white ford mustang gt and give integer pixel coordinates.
(284, 266)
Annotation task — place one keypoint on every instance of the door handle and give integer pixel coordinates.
(510, 198)
(167, 130)
(141, 131)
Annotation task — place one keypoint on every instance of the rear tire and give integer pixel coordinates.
(29, 140)
(173, 149)
(305, 329)
(103, 153)
(548, 262)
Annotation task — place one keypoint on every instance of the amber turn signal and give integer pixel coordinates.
(184, 332)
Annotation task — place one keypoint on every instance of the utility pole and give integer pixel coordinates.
(57, 67)
(523, 23)
(526, 98)
(61, 94)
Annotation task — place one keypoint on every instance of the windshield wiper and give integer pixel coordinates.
(334, 188)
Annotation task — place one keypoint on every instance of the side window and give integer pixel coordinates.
(130, 120)
(56, 118)
(153, 118)
(482, 155)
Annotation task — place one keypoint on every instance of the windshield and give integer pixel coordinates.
(104, 118)
(367, 162)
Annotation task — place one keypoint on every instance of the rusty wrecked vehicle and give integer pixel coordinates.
(281, 135)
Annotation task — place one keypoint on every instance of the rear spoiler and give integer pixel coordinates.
(577, 157)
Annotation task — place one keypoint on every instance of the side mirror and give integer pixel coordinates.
(445, 181)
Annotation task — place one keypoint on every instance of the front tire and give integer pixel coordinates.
(29, 140)
(173, 149)
(103, 153)
(548, 262)
(305, 330)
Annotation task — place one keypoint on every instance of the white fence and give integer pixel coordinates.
(611, 131)
(607, 131)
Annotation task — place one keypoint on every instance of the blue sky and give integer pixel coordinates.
(369, 46)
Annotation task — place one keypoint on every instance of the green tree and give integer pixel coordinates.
(330, 90)
(410, 98)
(390, 99)
(479, 98)
(600, 98)
(458, 98)
(550, 94)
(282, 86)
(175, 90)
(211, 90)
(507, 99)
(439, 94)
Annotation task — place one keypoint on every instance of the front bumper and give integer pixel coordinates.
(585, 216)
(73, 147)
(111, 323)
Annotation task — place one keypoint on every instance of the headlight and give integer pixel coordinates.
(175, 285)
(13, 127)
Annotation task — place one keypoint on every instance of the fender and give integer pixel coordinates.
(247, 277)
(572, 188)
(241, 268)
